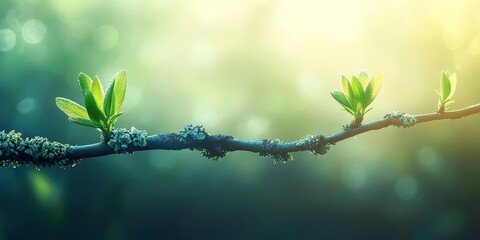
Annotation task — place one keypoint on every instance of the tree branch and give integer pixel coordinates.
(216, 146)
(420, 118)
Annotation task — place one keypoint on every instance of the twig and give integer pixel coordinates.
(216, 146)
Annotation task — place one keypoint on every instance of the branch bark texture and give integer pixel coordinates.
(175, 141)
(216, 146)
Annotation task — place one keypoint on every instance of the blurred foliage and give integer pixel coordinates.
(252, 69)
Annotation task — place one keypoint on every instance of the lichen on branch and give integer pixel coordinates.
(401, 119)
(38, 151)
(102, 111)
(120, 139)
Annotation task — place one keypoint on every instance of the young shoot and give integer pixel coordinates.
(448, 84)
(101, 109)
(358, 94)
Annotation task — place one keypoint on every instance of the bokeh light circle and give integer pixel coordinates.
(406, 188)
(26, 105)
(33, 31)
(7, 40)
(106, 37)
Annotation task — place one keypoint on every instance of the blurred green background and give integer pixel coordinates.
(251, 69)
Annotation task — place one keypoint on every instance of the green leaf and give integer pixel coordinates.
(349, 111)
(440, 104)
(445, 86)
(93, 111)
(85, 82)
(372, 89)
(109, 101)
(363, 77)
(347, 89)
(358, 93)
(368, 110)
(359, 106)
(115, 94)
(114, 118)
(447, 104)
(71, 108)
(453, 85)
(82, 121)
(97, 91)
(340, 98)
(119, 89)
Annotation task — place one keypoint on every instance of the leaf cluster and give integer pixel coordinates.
(357, 94)
(102, 109)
